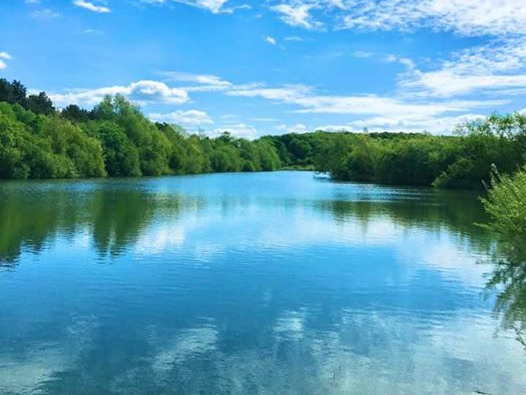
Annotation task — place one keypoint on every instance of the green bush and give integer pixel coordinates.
(506, 204)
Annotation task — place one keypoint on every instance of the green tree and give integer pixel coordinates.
(121, 157)
(76, 114)
(40, 104)
(14, 140)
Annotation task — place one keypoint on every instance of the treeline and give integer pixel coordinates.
(463, 160)
(116, 139)
(113, 139)
(299, 150)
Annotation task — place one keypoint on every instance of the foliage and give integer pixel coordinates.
(508, 280)
(460, 161)
(506, 204)
(113, 139)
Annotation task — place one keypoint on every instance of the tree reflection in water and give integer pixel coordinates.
(508, 280)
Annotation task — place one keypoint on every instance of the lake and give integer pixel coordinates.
(266, 283)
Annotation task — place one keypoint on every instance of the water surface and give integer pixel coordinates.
(268, 283)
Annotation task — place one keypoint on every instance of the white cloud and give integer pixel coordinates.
(466, 17)
(410, 109)
(214, 6)
(142, 92)
(497, 67)
(378, 113)
(405, 111)
(3, 57)
(240, 130)
(406, 123)
(202, 82)
(190, 118)
(297, 128)
(310, 102)
(91, 6)
(270, 40)
(297, 14)
(286, 93)
(400, 59)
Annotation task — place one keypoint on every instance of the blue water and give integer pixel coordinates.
(268, 283)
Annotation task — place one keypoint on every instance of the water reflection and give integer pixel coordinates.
(260, 284)
(32, 215)
(116, 215)
(508, 281)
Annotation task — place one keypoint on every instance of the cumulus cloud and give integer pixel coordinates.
(190, 118)
(3, 57)
(142, 92)
(91, 6)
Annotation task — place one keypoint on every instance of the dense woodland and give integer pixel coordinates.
(463, 160)
(116, 139)
(113, 139)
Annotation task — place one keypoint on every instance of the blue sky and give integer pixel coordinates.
(275, 66)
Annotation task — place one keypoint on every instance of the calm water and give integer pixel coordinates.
(271, 284)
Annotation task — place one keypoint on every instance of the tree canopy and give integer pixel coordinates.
(112, 139)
